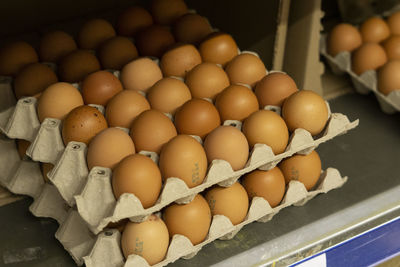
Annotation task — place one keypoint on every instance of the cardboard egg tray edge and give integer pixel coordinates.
(107, 252)
(364, 83)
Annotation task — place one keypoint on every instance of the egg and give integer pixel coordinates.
(151, 130)
(246, 68)
(139, 175)
(307, 110)
(392, 47)
(140, 74)
(236, 102)
(58, 100)
(148, 239)
(54, 45)
(33, 79)
(274, 88)
(197, 117)
(167, 11)
(99, 87)
(46, 168)
(229, 144)
(343, 37)
(184, 157)
(116, 52)
(180, 59)
(191, 28)
(75, 66)
(369, 56)
(374, 30)
(192, 220)
(266, 127)
(14, 56)
(269, 185)
(168, 94)
(108, 148)
(22, 146)
(303, 168)
(132, 20)
(231, 202)
(124, 107)
(218, 48)
(82, 124)
(388, 77)
(154, 41)
(94, 32)
(394, 23)
(206, 80)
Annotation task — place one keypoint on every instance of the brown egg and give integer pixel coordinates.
(206, 80)
(307, 110)
(132, 20)
(148, 239)
(369, 56)
(231, 202)
(168, 94)
(179, 60)
(46, 168)
(236, 102)
(192, 220)
(266, 127)
(140, 74)
(94, 32)
(33, 79)
(108, 148)
(184, 158)
(99, 87)
(151, 130)
(138, 175)
(246, 68)
(116, 52)
(274, 88)
(374, 30)
(22, 146)
(392, 47)
(218, 48)
(167, 11)
(229, 144)
(154, 41)
(55, 45)
(124, 107)
(197, 117)
(14, 56)
(75, 66)
(191, 28)
(388, 77)
(303, 168)
(82, 124)
(394, 23)
(343, 37)
(58, 100)
(267, 184)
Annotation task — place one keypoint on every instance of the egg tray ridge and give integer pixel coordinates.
(24, 177)
(106, 251)
(364, 83)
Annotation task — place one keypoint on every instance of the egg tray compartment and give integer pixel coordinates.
(24, 177)
(107, 251)
(364, 83)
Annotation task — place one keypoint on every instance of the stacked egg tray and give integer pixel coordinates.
(83, 203)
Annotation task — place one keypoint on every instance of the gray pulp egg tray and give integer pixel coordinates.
(96, 205)
(364, 83)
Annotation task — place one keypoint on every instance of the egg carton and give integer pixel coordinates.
(24, 177)
(364, 83)
(107, 251)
